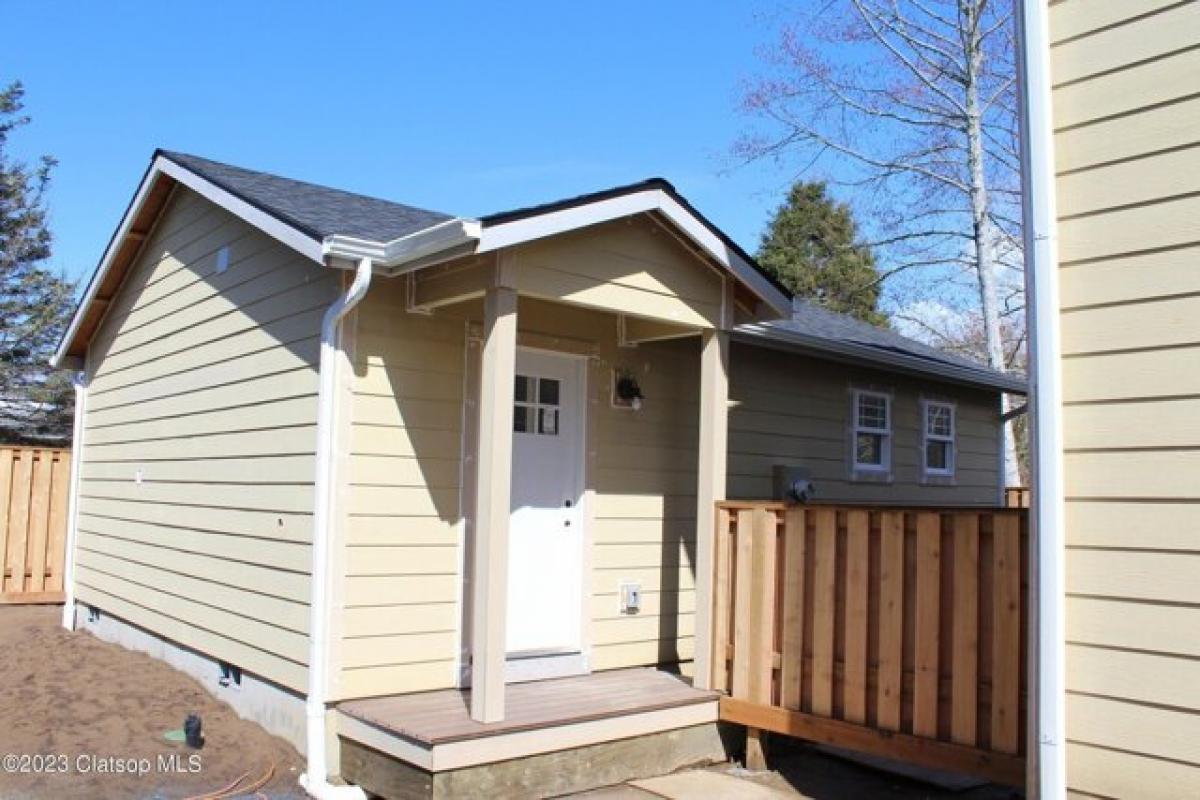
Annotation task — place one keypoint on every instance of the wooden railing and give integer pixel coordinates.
(896, 632)
(34, 484)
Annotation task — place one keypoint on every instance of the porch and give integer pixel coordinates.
(557, 736)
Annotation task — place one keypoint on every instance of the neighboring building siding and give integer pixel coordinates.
(795, 410)
(196, 491)
(1127, 150)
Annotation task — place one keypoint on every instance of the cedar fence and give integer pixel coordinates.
(896, 632)
(34, 483)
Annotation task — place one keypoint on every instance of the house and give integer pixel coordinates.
(337, 453)
(1113, 216)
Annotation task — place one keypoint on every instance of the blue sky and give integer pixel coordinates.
(461, 107)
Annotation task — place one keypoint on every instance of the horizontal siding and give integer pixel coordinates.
(794, 411)
(196, 479)
(626, 266)
(1126, 101)
(402, 553)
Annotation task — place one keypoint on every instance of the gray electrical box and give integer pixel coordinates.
(792, 484)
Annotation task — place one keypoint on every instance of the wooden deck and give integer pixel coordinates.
(434, 730)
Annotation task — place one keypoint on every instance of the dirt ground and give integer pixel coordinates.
(84, 708)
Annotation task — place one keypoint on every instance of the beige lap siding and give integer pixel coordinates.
(1126, 77)
(196, 489)
(402, 552)
(794, 410)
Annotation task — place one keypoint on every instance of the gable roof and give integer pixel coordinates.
(322, 222)
(318, 211)
(819, 330)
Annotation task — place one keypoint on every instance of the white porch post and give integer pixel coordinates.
(710, 485)
(489, 591)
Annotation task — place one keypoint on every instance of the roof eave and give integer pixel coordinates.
(981, 378)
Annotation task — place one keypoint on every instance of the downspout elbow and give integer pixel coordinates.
(315, 780)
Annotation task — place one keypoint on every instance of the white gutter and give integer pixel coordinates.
(406, 249)
(1047, 778)
(315, 779)
(68, 615)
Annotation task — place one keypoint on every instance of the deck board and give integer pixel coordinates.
(434, 718)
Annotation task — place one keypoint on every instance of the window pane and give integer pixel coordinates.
(872, 412)
(548, 391)
(522, 419)
(868, 449)
(523, 389)
(939, 420)
(937, 456)
(548, 421)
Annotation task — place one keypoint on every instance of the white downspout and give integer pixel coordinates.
(1048, 778)
(315, 779)
(68, 614)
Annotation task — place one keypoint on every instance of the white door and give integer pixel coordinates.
(545, 558)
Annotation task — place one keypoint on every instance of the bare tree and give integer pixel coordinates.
(910, 106)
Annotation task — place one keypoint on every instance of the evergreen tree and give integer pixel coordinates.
(35, 304)
(811, 247)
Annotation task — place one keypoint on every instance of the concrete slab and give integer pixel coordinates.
(708, 785)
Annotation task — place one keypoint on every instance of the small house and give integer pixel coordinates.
(426, 494)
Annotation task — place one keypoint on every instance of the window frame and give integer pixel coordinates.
(951, 439)
(886, 434)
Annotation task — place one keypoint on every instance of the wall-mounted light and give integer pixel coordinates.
(626, 391)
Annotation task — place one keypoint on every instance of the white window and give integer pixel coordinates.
(939, 438)
(535, 406)
(872, 432)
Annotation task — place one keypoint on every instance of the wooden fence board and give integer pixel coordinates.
(39, 519)
(854, 683)
(891, 618)
(34, 486)
(6, 491)
(792, 647)
(762, 609)
(965, 665)
(743, 562)
(928, 568)
(722, 605)
(893, 631)
(18, 522)
(1006, 651)
(824, 606)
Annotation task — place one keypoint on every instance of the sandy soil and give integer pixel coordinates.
(88, 706)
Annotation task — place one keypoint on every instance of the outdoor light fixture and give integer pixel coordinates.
(626, 392)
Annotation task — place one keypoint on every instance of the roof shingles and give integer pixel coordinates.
(318, 211)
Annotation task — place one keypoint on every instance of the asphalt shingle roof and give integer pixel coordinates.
(321, 211)
(316, 210)
(810, 321)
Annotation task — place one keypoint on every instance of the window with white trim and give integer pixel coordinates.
(939, 438)
(872, 431)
